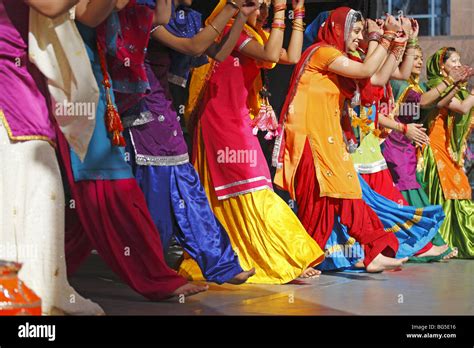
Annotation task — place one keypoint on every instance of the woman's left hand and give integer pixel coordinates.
(407, 26)
(415, 28)
(249, 7)
(298, 4)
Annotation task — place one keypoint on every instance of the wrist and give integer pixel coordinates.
(299, 26)
(375, 36)
(390, 35)
(233, 4)
(279, 8)
(450, 80)
(412, 43)
(243, 16)
(299, 13)
(279, 16)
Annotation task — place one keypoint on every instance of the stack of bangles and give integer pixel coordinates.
(402, 128)
(412, 43)
(375, 36)
(397, 49)
(279, 23)
(387, 39)
(450, 84)
(299, 13)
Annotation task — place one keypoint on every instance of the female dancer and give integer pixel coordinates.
(110, 213)
(411, 237)
(399, 151)
(264, 231)
(449, 125)
(370, 163)
(315, 166)
(32, 196)
(159, 155)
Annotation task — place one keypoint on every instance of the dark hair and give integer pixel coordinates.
(448, 53)
(358, 17)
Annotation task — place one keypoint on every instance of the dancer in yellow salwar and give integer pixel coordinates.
(263, 229)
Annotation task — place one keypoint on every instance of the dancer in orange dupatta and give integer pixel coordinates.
(313, 162)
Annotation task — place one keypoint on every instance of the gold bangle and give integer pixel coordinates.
(436, 87)
(215, 28)
(445, 82)
(233, 4)
(450, 80)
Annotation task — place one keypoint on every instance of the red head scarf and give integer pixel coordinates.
(333, 33)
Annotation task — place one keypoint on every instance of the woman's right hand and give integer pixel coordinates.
(372, 26)
(458, 74)
(392, 24)
(407, 26)
(417, 134)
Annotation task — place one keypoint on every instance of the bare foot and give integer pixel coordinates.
(242, 277)
(434, 251)
(451, 255)
(189, 290)
(310, 273)
(359, 264)
(382, 263)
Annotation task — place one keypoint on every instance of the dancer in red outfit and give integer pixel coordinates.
(110, 212)
(314, 165)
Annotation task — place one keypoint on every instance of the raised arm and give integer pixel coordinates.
(374, 31)
(162, 12)
(432, 97)
(461, 107)
(381, 77)
(51, 8)
(271, 52)
(411, 29)
(346, 67)
(293, 54)
(198, 44)
(220, 51)
(94, 12)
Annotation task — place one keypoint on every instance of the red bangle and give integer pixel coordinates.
(278, 26)
(405, 128)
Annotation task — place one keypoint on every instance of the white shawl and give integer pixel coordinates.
(57, 49)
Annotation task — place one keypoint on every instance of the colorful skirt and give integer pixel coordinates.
(458, 227)
(264, 231)
(413, 227)
(179, 208)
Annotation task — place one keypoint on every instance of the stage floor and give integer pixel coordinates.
(420, 289)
